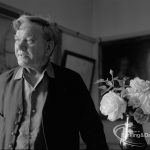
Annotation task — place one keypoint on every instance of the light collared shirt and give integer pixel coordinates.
(34, 100)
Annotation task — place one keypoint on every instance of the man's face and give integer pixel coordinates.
(30, 47)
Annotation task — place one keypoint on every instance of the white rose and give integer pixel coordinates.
(139, 85)
(133, 97)
(140, 117)
(145, 102)
(134, 102)
(113, 106)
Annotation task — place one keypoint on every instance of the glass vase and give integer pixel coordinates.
(132, 135)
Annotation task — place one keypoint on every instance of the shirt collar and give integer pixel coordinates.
(48, 69)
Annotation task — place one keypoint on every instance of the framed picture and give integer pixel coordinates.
(84, 65)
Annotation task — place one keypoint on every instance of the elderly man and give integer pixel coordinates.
(44, 106)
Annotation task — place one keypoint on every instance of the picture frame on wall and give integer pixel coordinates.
(83, 65)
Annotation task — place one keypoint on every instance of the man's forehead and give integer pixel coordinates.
(29, 28)
(29, 25)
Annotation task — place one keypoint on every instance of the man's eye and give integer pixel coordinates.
(30, 41)
(16, 39)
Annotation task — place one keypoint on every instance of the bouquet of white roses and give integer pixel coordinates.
(120, 94)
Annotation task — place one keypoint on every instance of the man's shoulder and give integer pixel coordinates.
(8, 74)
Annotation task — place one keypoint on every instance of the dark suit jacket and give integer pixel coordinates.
(68, 110)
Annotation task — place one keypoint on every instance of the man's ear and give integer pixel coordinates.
(50, 48)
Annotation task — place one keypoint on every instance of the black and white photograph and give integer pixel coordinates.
(74, 75)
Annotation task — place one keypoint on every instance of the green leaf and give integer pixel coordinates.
(100, 81)
(103, 87)
(118, 89)
(109, 83)
(116, 78)
(105, 91)
(121, 83)
(125, 78)
(111, 72)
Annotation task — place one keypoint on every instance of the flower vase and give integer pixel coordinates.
(132, 136)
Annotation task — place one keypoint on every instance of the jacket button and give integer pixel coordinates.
(19, 112)
(16, 122)
(10, 145)
(33, 110)
(12, 133)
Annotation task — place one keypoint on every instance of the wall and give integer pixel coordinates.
(75, 15)
(110, 18)
(120, 18)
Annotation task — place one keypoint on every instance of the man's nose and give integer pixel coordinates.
(22, 45)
